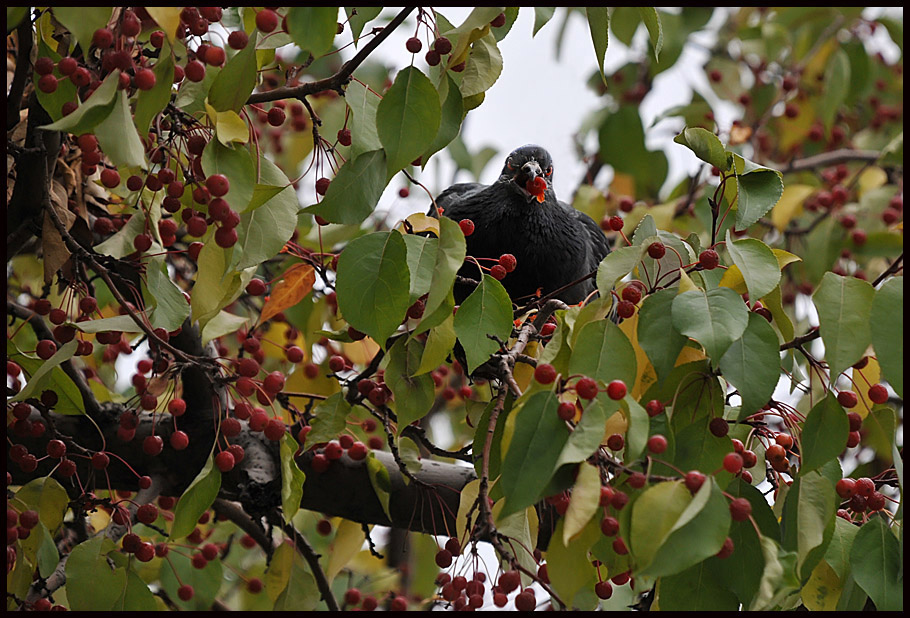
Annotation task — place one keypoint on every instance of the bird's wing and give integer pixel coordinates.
(449, 199)
(598, 247)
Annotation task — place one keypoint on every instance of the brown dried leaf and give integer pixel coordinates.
(55, 252)
(294, 285)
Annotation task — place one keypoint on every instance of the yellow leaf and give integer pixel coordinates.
(685, 283)
(615, 424)
(229, 126)
(823, 590)
(733, 279)
(871, 178)
(785, 257)
(793, 131)
(663, 215)
(872, 374)
(629, 327)
(584, 503)
(623, 184)
(279, 571)
(295, 284)
(361, 351)
(523, 372)
(790, 205)
(168, 17)
(420, 222)
(690, 355)
(817, 64)
(347, 543)
(466, 505)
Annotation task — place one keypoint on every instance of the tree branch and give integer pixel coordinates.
(339, 79)
(827, 159)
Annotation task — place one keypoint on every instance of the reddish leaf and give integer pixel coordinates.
(296, 283)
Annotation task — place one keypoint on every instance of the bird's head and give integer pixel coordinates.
(529, 171)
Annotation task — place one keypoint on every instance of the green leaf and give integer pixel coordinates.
(715, 318)
(589, 432)
(197, 499)
(381, 482)
(40, 549)
(14, 15)
(585, 501)
(656, 334)
(654, 515)
(329, 419)
(778, 580)
(696, 534)
(844, 307)
(440, 341)
(135, 595)
(373, 284)
(757, 263)
(877, 566)
(363, 104)
(618, 263)
(651, 20)
(92, 584)
(449, 258)
(648, 168)
(412, 396)
(222, 324)
(759, 189)
(408, 118)
(292, 478)
(599, 25)
(264, 231)
(47, 375)
(150, 102)
(422, 252)
(92, 112)
(82, 21)
(313, 28)
(807, 520)
(887, 331)
(48, 497)
(696, 448)
(542, 14)
(486, 311)
(483, 67)
(603, 352)
(774, 303)
(533, 451)
(639, 427)
(205, 582)
(235, 163)
(837, 83)
(235, 81)
(216, 285)
(824, 434)
(359, 16)
(752, 364)
(171, 307)
(568, 564)
(698, 589)
(355, 190)
(453, 112)
(706, 147)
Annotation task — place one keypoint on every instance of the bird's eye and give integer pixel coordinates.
(549, 170)
(509, 164)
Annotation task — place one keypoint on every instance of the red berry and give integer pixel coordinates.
(185, 592)
(218, 185)
(726, 550)
(432, 58)
(740, 509)
(719, 427)
(847, 399)
(499, 20)
(498, 272)
(508, 261)
(226, 237)
(694, 480)
(708, 259)
(615, 442)
(179, 440)
(152, 445)
(856, 421)
(878, 393)
(657, 444)
(145, 79)
(256, 287)
(603, 590)
(45, 349)
(566, 411)
(657, 250)
(413, 45)
(733, 463)
(47, 84)
(467, 226)
(100, 461)
(846, 488)
(322, 185)
(238, 39)
(442, 45)
(865, 486)
(654, 407)
(545, 373)
(625, 309)
(616, 390)
(225, 461)
(266, 20)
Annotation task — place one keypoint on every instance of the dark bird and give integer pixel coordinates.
(553, 243)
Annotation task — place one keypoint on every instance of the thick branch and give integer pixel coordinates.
(23, 67)
(827, 159)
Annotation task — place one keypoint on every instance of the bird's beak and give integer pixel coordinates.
(526, 176)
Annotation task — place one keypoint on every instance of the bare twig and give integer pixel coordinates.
(311, 557)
